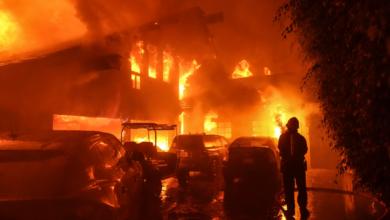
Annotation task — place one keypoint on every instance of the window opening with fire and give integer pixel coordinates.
(136, 81)
(167, 63)
(152, 50)
(136, 55)
(224, 129)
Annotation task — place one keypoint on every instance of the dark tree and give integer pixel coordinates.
(347, 45)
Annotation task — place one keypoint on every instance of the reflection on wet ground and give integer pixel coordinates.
(210, 199)
(327, 205)
(206, 198)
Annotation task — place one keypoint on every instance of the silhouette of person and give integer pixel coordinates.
(293, 148)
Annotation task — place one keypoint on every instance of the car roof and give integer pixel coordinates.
(47, 140)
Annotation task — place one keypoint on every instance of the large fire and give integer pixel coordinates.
(242, 70)
(136, 57)
(9, 30)
(137, 54)
(167, 64)
(279, 118)
(152, 61)
(185, 72)
(74, 122)
(209, 125)
(162, 140)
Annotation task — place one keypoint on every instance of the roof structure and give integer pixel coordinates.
(149, 126)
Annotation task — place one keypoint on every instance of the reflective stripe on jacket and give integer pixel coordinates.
(292, 146)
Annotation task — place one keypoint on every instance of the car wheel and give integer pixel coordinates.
(153, 187)
(213, 172)
(183, 176)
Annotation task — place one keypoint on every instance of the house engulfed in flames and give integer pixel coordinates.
(134, 75)
(167, 71)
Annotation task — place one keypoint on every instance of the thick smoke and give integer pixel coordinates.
(37, 24)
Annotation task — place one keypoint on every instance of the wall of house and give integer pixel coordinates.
(67, 83)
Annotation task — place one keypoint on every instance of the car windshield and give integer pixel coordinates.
(251, 142)
(189, 142)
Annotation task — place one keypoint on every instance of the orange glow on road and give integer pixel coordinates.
(242, 70)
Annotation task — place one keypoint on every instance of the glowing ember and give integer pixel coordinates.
(152, 61)
(136, 57)
(9, 31)
(267, 71)
(167, 64)
(208, 123)
(242, 70)
(185, 72)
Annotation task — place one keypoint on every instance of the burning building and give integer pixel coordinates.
(166, 71)
(253, 104)
(134, 74)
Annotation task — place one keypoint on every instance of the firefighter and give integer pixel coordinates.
(293, 148)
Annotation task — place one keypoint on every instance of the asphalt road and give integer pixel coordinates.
(206, 199)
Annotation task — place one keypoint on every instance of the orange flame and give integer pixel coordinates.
(267, 71)
(83, 123)
(279, 118)
(152, 61)
(167, 64)
(185, 72)
(136, 57)
(242, 70)
(162, 141)
(9, 31)
(181, 119)
(138, 139)
(208, 124)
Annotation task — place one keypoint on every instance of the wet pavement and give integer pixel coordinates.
(206, 199)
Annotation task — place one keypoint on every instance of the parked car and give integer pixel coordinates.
(67, 175)
(254, 158)
(199, 152)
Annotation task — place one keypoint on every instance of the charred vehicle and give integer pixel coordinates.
(156, 165)
(199, 152)
(255, 158)
(67, 175)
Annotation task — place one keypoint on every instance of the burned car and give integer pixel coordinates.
(198, 152)
(255, 158)
(67, 175)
